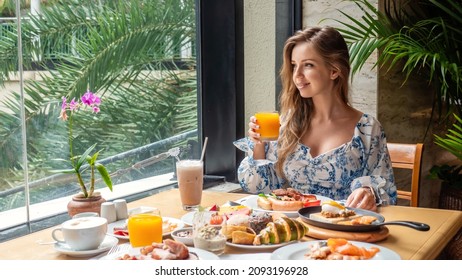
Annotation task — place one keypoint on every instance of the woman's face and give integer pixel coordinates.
(311, 74)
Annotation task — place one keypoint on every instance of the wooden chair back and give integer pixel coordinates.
(408, 156)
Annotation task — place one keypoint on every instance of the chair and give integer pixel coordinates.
(408, 156)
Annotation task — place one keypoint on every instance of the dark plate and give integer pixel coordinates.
(304, 214)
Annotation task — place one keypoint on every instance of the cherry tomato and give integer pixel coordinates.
(216, 220)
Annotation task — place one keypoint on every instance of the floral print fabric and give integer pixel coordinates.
(362, 162)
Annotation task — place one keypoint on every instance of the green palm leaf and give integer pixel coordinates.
(124, 51)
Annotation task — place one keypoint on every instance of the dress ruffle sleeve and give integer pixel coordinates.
(378, 172)
(257, 176)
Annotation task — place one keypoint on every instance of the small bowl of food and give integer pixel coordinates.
(184, 235)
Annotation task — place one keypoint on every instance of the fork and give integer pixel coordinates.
(234, 203)
(119, 248)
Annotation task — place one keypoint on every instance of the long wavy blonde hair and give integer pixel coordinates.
(296, 111)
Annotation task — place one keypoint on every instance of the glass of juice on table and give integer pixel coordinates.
(269, 125)
(145, 228)
(190, 176)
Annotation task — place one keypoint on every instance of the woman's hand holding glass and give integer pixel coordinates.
(259, 148)
(253, 130)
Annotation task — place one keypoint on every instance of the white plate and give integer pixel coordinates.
(297, 251)
(188, 217)
(123, 223)
(107, 244)
(202, 254)
(251, 201)
(260, 247)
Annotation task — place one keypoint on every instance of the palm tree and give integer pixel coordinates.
(127, 52)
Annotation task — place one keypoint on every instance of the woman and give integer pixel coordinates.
(325, 146)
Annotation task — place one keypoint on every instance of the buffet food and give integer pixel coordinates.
(286, 200)
(261, 231)
(210, 238)
(167, 250)
(335, 213)
(283, 229)
(339, 249)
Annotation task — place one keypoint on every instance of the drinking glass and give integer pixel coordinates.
(269, 125)
(190, 182)
(145, 228)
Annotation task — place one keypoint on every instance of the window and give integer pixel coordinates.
(127, 127)
(141, 62)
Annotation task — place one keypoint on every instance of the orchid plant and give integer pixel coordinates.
(88, 101)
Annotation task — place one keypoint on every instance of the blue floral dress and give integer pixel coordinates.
(364, 161)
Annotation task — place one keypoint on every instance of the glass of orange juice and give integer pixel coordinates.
(145, 228)
(269, 125)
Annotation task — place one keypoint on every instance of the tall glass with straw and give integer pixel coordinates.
(190, 176)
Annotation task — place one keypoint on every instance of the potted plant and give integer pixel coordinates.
(451, 187)
(87, 200)
(420, 37)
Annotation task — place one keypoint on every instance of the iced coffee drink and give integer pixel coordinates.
(190, 181)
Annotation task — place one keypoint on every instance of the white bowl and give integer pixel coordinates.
(177, 235)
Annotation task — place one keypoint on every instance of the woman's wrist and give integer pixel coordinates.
(371, 190)
(259, 150)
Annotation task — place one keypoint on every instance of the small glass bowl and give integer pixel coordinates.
(183, 235)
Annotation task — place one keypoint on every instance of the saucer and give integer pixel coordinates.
(107, 244)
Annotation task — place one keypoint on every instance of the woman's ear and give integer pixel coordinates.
(334, 73)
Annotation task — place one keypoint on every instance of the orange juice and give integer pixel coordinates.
(144, 229)
(269, 125)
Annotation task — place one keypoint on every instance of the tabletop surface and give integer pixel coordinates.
(407, 242)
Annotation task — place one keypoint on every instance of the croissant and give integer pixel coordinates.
(283, 229)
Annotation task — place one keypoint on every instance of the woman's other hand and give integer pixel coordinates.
(362, 198)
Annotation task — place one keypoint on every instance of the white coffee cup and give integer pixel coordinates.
(82, 234)
(85, 214)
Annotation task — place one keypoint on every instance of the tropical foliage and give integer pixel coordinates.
(126, 51)
(422, 37)
(452, 142)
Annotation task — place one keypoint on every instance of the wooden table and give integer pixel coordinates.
(408, 243)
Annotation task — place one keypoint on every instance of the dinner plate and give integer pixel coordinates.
(297, 251)
(188, 217)
(107, 244)
(260, 247)
(251, 202)
(123, 223)
(202, 254)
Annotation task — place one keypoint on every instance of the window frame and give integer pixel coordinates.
(220, 56)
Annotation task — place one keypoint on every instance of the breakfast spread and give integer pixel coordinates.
(241, 225)
(264, 229)
(167, 250)
(339, 249)
(286, 200)
(335, 213)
